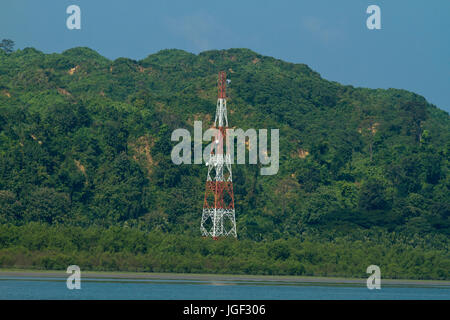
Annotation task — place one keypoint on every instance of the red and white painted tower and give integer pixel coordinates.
(218, 217)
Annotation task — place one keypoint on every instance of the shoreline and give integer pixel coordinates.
(6, 274)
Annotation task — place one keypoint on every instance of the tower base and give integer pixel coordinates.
(218, 222)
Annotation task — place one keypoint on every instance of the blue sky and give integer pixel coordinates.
(411, 51)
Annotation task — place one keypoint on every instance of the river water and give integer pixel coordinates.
(55, 288)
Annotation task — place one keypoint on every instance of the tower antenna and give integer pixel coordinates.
(218, 218)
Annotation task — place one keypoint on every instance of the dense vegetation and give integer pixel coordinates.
(129, 249)
(86, 175)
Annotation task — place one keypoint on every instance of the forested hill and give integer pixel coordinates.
(86, 141)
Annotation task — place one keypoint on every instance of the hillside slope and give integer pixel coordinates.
(91, 139)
